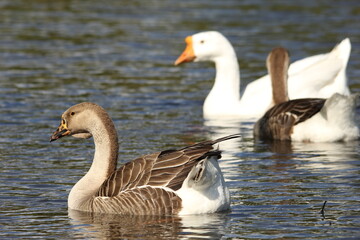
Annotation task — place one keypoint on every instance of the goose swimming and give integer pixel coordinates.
(307, 119)
(318, 76)
(183, 181)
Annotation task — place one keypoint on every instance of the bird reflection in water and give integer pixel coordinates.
(112, 226)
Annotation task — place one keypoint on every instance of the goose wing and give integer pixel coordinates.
(145, 200)
(146, 185)
(278, 121)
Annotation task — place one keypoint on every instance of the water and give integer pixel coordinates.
(120, 55)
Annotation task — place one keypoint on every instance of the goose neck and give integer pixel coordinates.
(104, 163)
(106, 147)
(227, 80)
(277, 65)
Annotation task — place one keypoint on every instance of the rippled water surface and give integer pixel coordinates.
(120, 54)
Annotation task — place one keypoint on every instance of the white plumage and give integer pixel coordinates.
(317, 76)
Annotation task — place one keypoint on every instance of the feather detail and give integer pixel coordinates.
(278, 121)
(161, 174)
(146, 200)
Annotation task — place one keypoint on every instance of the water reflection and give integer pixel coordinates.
(329, 151)
(110, 226)
(119, 55)
(218, 128)
(279, 157)
(283, 149)
(326, 156)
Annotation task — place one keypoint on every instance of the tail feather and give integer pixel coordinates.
(341, 108)
(343, 49)
(212, 142)
(340, 83)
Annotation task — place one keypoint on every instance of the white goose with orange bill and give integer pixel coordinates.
(318, 76)
(307, 119)
(183, 181)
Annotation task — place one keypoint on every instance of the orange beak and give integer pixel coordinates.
(188, 54)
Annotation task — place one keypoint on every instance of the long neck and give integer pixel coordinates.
(104, 163)
(227, 80)
(106, 147)
(277, 64)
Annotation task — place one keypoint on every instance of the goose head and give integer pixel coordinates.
(77, 121)
(205, 46)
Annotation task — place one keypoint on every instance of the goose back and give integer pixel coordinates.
(279, 121)
(147, 185)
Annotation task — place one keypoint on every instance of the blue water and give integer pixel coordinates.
(120, 54)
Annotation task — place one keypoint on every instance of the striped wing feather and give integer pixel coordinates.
(139, 185)
(140, 201)
(278, 122)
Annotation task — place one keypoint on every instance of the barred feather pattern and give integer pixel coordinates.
(145, 200)
(278, 121)
(147, 185)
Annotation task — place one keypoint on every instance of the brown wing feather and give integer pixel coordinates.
(130, 175)
(138, 187)
(278, 121)
(194, 153)
(139, 201)
(163, 169)
(303, 108)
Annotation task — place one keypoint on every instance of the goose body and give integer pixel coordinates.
(316, 76)
(183, 181)
(307, 119)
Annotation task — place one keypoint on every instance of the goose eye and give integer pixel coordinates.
(202, 41)
(72, 113)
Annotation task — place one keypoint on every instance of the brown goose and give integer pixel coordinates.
(183, 181)
(307, 119)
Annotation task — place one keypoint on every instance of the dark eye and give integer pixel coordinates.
(72, 113)
(202, 41)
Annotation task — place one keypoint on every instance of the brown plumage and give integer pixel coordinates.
(144, 175)
(277, 64)
(144, 186)
(278, 121)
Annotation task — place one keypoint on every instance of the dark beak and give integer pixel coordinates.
(60, 132)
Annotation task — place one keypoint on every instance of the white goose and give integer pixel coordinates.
(183, 181)
(316, 76)
(307, 119)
